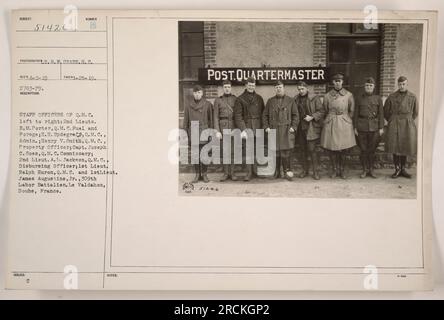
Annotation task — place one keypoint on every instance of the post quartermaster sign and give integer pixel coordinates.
(266, 75)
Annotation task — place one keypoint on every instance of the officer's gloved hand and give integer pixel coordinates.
(291, 130)
(356, 132)
(244, 135)
(267, 130)
(381, 132)
(219, 135)
(308, 118)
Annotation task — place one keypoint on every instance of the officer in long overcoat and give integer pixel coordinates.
(281, 114)
(248, 110)
(400, 111)
(223, 111)
(338, 135)
(198, 110)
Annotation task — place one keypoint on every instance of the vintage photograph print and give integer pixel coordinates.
(303, 110)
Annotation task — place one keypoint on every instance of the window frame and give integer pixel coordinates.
(187, 82)
(353, 37)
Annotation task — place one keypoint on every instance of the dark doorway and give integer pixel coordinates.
(354, 51)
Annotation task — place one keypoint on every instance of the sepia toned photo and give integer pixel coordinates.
(292, 109)
(233, 150)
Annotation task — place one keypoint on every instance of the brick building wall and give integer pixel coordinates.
(388, 63)
(319, 51)
(210, 54)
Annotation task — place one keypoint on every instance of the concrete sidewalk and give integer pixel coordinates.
(384, 187)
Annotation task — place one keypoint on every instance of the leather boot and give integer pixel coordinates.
(404, 173)
(233, 177)
(304, 173)
(226, 173)
(277, 170)
(397, 163)
(288, 174)
(254, 170)
(371, 168)
(334, 164)
(364, 166)
(204, 173)
(314, 161)
(249, 172)
(304, 163)
(342, 166)
(196, 173)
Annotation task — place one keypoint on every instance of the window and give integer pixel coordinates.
(351, 29)
(191, 57)
(354, 51)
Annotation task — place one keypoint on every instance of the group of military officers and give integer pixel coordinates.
(337, 123)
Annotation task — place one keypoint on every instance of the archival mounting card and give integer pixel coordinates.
(221, 150)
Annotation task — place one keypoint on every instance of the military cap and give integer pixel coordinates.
(302, 84)
(338, 76)
(226, 82)
(402, 79)
(278, 83)
(370, 80)
(197, 88)
(250, 80)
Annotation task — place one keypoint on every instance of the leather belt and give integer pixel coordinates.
(402, 116)
(368, 117)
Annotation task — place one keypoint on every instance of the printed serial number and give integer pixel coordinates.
(243, 309)
(49, 27)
